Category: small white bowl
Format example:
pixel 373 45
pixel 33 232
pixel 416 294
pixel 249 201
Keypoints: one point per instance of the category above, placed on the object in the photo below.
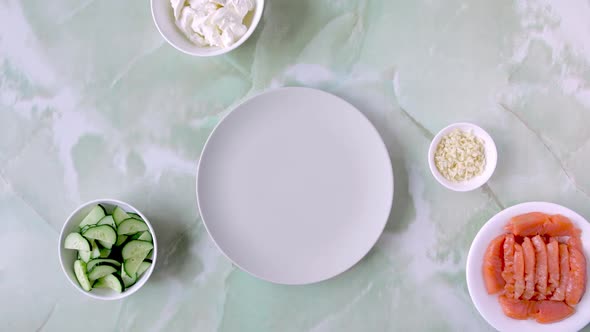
pixel 67 257
pixel 490 152
pixel 165 22
pixel 488 305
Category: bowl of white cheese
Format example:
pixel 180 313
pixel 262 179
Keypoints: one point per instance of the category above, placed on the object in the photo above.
pixel 462 157
pixel 206 27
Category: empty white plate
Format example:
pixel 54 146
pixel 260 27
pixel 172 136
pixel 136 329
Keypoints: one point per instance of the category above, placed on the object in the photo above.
pixel 295 186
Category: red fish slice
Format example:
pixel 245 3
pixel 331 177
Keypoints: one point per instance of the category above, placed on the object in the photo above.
pixel 541 268
pixel 553 264
pixel 518 271
pixel 543 311
pixel 517 309
pixel 508 272
pixel 560 225
pixel 551 311
pixel 527 224
pixel 577 282
pixel 564 273
pixel 537 223
pixel 575 242
pixel 529 269
pixel 492 266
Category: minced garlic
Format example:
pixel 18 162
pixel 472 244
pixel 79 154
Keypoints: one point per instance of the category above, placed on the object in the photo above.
pixel 460 156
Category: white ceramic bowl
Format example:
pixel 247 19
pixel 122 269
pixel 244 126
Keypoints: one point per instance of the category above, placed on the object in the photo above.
pixel 490 152
pixel 164 19
pixel 67 257
pixel 488 305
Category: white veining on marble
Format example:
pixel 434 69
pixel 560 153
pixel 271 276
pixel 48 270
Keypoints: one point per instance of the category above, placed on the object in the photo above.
pixel 92 109
pixel 169 306
pixel 21 47
pixel 163 160
pixel 74 11
pixel 69 126
pixel 326 323
pixel 564 28
pixel 134 61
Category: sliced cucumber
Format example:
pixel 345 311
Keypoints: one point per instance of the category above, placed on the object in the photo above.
pixel 119 215
pixel 83 229
pixel 110 281
pixel 134 216
pixel 131 226
pixel 95 253
pixel 121 239
pixel 136 249
pixel 105 245
pixel 101 261
pixel 143 267
pixel 104 252
pixel 145 236
pixel 84 255
pixel 132 264
pixel 97 213
pixel 77 242
pixel 113 249
pixel 108 220
pixel 104 233
pixel 80 271
pixel 100 271
pixel 127 280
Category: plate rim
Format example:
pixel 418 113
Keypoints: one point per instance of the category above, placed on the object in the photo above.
pixel 382 147
pixel 473 270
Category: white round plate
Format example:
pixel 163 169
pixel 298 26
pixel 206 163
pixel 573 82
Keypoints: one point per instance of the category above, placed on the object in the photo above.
pixel 488 305
pixel 295 186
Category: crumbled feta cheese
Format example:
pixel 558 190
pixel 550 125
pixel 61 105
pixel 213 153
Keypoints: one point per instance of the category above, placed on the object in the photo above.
pixel 460 156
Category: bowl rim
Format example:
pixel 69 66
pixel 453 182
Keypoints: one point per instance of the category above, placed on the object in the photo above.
pixel 476 182
pixel 253 25
pixel 139 283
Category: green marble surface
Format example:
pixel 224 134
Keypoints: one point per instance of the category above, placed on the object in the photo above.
pixel 94 103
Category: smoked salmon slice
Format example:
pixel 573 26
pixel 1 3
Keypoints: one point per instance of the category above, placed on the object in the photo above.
pixel 575 242
pixel 559 225
pixel 564 273
pixel 517 309
pixel 527 224
pixel 529 268
pixel 543 311
pixel 492 266
pixel 537 223
pixel 551 311
pixel 577 281
pixel 541 268
pixel 508 273
pixel 518 271
pixel 553 265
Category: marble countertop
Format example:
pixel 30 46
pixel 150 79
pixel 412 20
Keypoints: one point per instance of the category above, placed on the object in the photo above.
pixel 94 103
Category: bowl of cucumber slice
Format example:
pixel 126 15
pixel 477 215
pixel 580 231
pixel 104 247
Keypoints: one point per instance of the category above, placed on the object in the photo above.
pixel 107 249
